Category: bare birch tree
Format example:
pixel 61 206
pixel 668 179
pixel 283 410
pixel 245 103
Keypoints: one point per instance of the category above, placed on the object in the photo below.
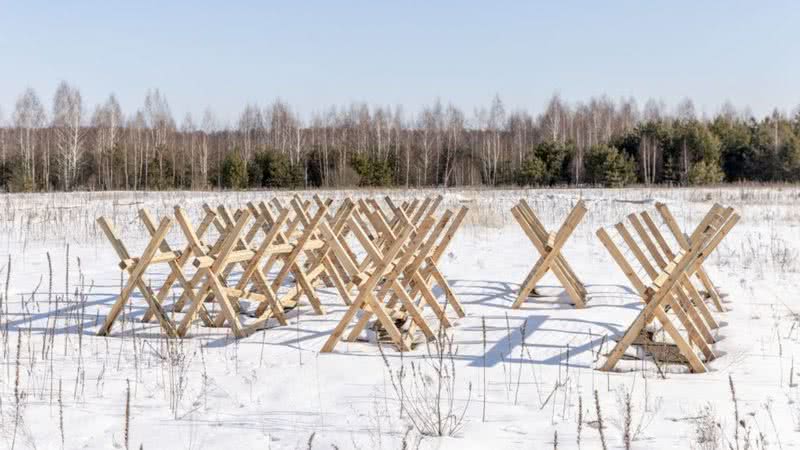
pixel 107 122
pixel 209 126
pixel 29 117
pixel 250 125
pixel 188 136
pixel 67 123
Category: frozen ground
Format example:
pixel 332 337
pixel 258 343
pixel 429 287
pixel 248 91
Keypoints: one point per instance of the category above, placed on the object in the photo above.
pixel 274 390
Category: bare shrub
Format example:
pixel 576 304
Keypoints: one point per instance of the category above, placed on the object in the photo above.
pixel 707 430
pixel 19 395
pixel 428 392
pixel 178 363
pixel 600 425
pixel 634 417
pixel 747 435
pixel 60 414
pixel 127 432
pixel 751 438
pixel 580 421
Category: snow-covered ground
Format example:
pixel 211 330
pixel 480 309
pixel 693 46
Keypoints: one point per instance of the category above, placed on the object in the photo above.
pixel 274 390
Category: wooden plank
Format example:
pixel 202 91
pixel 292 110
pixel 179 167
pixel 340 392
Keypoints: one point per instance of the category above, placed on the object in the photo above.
pixel 698 337
pixel 212 283
pixel 135 276
pixel 644 317
pixel 253 272
pixel 176 269
pixel 401 266
pixel 365 296
pixel 683 242
pixel 540 230
pixel 549 246
pixel 536 225
pixel 685 290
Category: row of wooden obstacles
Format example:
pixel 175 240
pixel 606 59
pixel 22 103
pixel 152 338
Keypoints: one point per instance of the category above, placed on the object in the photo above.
pixel 669 293
pixel 383 262
pixel 381 258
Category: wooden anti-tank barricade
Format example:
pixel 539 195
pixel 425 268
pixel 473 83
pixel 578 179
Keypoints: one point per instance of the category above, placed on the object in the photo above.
pixel 309 239
pixel 400 263
pixel 277 246
pixel 549 246
pixel 670 289
pixel 213 264
pixel 136 267
pixel 683 242
pixel 429 272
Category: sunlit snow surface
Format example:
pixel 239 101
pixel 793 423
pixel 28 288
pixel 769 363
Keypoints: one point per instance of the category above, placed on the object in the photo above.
pixel 274 390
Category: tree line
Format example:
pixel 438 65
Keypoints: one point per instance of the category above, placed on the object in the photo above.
pixel 601 142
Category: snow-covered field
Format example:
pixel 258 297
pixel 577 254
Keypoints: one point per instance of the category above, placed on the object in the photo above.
pixel 274 390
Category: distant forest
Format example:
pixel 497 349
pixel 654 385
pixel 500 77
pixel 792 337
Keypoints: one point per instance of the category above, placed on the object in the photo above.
pixel 69 145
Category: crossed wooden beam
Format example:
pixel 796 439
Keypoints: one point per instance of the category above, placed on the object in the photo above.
pixel 395 269
pixel 387 266
pixel 414 278
pixel 683 241
pixel 136 267
pixel 427 261
pixel 670 291
pixel 213 263
pixel 249 254
pixel 549 246
pixel 394 280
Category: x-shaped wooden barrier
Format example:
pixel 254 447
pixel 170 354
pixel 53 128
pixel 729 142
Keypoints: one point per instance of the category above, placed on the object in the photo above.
pixel 136 267
pixel 417 210
pixel 212 267
pixel 670 288
pixel 307 244
pixel 251 259
pixel 407 269
pixel 412 278
pixel 681 304
pixel 401 248
pixel 686 292
pixel 248 256
pixel 430 272
pixel 177 266
pixel 549 246
pixel 324 261
pixel 426 273
pixel 210 221
pixel 683 242
pixel 262 289
pixel 388 266
pixel 292 263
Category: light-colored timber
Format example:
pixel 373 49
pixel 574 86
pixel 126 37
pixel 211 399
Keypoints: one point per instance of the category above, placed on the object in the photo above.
pixel 549 246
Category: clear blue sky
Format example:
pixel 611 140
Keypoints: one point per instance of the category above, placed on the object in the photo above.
pixel 317 53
